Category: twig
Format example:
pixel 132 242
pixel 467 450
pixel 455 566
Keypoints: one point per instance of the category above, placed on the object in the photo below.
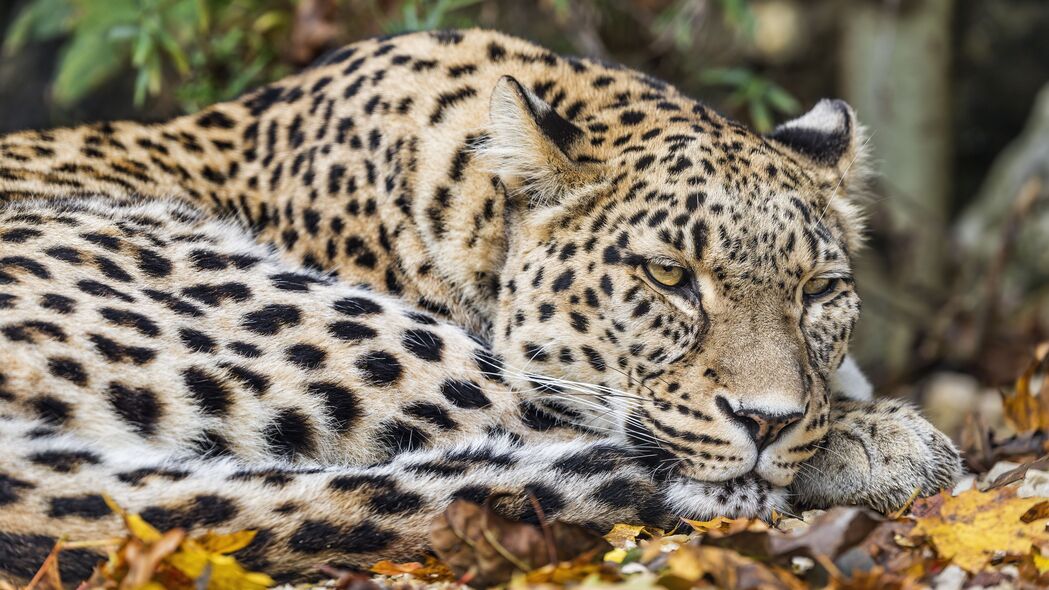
pixel 548 535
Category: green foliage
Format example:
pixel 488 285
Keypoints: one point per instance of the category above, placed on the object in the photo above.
pixel 209 49
pixel 759 95
pixel 196 52
pixel 761 98
pixel 422 15
pixel 678 21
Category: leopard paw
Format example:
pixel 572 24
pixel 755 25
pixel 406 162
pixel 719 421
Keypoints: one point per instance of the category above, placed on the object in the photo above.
pixel 876 454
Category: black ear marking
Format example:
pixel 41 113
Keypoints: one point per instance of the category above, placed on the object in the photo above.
pixel 824 134
pixel 558 129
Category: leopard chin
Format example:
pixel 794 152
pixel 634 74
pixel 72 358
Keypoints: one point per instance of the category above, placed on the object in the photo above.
pixel 748 496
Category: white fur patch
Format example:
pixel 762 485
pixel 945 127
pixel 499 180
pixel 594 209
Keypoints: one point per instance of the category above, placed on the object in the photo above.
pixel 849 381
pixel 825 117
pixel 746 498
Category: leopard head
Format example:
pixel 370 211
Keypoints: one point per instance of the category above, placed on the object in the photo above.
pixel 676 278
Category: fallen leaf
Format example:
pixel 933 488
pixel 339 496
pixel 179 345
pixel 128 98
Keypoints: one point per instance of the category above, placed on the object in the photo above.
pixel 727 526
pixel 1027 407
pixel 152 560
pixel 971 528
pixel 877 578
pixel 583 567
pixel 830 535
pixel 143 560
pixel 1041 560
pixel 983 449
pixel 727 569
pixel 431 571
pixel 470 538
pixel 616 555
pixel 1039 511
pixel 624 536
pixel 227 543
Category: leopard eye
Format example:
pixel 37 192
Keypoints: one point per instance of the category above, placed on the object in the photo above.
pixel 818 287
pixel 667 275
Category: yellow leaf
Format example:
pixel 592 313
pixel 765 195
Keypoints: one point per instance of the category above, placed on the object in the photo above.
pixel 565 572
pixel 150 560
pixel 1041 562
pixel 686 563
pixel 970 528
pixel 142 530
pixel 703 526
pixel 624 536
pixel 227 543
pixel 191 561
pixel 138 527
pixel 226 574
pixel 616 555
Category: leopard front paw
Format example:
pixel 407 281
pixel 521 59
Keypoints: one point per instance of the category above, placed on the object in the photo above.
pixel 876 454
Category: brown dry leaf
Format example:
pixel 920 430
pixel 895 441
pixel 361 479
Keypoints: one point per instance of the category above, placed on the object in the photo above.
pixel 1018 474
pixel 726 569
pixel 142 560
pixel 431 571
pixel 474 539
pixel 1027 409
pixel 969 529
pixel 877 578
pixel 833 533
pixel 890 547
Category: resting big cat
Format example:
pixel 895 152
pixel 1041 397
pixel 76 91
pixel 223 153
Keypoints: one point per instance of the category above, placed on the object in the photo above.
pixel 435 266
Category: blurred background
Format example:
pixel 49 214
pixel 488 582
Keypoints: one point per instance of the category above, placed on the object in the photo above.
pixel 954 94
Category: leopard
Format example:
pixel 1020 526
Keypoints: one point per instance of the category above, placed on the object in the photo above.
pixel 435 266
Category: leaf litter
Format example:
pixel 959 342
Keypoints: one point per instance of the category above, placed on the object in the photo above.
pixel 989 532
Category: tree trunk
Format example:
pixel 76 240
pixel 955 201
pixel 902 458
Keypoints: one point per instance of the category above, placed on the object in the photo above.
pixel 895 60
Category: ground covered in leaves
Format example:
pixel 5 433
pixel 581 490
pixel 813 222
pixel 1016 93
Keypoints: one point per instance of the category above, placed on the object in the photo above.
pixel 990 531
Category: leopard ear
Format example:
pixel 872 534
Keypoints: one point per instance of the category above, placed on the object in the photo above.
pixel 830 137
pixel 530 146
pixel 827 134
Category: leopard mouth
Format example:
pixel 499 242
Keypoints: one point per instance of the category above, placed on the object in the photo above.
pixel 747 496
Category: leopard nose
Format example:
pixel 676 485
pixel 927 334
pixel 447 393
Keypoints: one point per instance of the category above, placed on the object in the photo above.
pixel 762 426
pixel 765 428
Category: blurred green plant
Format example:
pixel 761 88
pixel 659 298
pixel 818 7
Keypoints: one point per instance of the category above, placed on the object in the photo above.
pixel 677 22
pixel 197 52
pixel 760 96
pixel 749 91
pixel 209 49
pixel 420 15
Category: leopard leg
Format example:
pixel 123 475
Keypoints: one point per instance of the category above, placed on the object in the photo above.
pixel 876 454
pixel 305 515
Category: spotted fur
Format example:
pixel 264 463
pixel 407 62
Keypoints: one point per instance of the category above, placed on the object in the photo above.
pixel 416 272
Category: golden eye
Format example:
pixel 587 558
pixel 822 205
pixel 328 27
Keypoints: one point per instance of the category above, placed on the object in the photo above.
pixel 667 275
pixel 818 287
